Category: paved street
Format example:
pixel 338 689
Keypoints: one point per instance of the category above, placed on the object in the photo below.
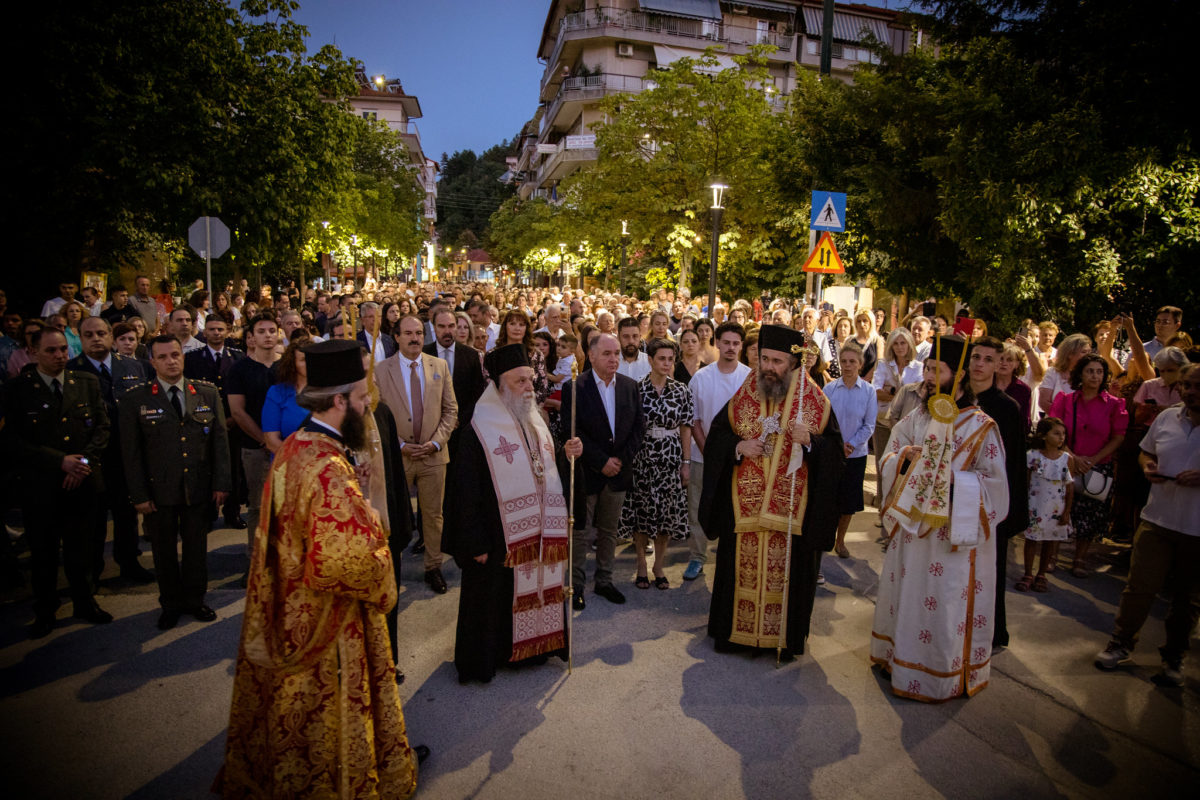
pixel 126 711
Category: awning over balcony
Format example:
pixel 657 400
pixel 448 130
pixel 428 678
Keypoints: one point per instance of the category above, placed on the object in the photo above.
pixel 846 27
pixel 665 56
pixel 696 9
pixel 764 5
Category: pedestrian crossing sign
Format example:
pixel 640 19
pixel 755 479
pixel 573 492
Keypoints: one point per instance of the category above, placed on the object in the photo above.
pixel 824 258
pixel 828 211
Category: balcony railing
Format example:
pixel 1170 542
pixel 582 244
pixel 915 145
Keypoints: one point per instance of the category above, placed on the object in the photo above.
pixel 705 31
pixel 589 88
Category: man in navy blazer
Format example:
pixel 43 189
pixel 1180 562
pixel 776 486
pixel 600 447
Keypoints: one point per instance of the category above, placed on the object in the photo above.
pixel 372 337
pixel 610 423
pixel 212 364
pixel 117 375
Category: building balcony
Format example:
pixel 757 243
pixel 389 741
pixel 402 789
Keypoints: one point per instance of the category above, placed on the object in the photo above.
pixel 576 91
pixel 645 28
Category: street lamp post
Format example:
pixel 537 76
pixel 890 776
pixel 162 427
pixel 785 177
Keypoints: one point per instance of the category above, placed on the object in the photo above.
pixel 581 260
pixel 624 241
pixel 718 191
pixel 354 242
pixel 562 255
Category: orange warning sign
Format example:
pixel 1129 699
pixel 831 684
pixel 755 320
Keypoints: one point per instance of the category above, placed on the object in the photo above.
pixel 824 258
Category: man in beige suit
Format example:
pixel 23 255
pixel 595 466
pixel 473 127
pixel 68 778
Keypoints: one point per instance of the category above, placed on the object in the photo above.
pixel 419 391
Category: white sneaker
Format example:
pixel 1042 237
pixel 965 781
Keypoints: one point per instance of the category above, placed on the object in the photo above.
pixel 820 579
pixel 1112 656
pixel 1172 673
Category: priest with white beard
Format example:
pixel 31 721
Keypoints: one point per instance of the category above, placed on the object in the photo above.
pixel 506 526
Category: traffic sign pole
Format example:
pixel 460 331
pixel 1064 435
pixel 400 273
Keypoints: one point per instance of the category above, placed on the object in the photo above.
pixel 208 258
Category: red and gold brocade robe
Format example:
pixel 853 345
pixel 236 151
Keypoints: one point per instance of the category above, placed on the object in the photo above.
pixel 316 711
pixel 765 497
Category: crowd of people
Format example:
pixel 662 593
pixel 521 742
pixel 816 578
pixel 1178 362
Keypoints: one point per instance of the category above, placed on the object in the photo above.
pixel 464 414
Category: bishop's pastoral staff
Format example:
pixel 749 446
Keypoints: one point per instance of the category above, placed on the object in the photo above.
pixel 316 710
pixel 507 528
pixel 945 487
pixel 772 460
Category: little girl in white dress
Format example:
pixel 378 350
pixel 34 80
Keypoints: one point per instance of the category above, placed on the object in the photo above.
pixel 1051 491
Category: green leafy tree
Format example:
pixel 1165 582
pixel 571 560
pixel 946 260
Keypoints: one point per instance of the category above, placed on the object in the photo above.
pixel 469 192
pixel 151 114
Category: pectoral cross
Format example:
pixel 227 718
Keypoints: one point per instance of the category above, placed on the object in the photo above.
pixel 506 449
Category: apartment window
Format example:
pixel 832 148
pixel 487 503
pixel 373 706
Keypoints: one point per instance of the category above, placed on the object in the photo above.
pixel 371 115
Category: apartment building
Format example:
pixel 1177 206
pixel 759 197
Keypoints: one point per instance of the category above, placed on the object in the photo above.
pixel 595 48
pixel 384 99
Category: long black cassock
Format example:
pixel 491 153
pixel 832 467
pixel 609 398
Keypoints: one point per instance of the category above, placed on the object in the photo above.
pixel 484 637
pixel 818 530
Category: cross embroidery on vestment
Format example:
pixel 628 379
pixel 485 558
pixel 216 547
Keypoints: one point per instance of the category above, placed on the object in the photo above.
pixel 506 449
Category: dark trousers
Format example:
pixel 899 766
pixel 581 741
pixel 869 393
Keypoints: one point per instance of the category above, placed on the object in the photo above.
pixel 63 521
pixel 393 616
pixel 115 500
pixel 233 502
pixel 1000 617
pixel 1161 559
pixel 181 581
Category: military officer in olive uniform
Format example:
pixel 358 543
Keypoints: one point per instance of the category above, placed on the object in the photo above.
pixel 117 375
pixel 57 429
pixel 176 454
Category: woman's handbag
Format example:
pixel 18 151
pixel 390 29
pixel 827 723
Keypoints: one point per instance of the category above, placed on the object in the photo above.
pixel 1093 483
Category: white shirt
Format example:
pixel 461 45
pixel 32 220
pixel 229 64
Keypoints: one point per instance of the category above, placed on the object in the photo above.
pixel 636 369
pixel 546 329
pixel 563 367
pixel 94 310
pixel 886 374
pixel 191 344
pixel 493 332
pixel 1175 445
pixel 1056 382
pixel 376 344
pixel 711 389
pixel 52 306
pixel 923 350
pixel 608 397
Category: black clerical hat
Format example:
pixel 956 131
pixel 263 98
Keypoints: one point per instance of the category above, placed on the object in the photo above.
pixel 784 340
pixel 334 363
pixel 502 359
pixel 952 350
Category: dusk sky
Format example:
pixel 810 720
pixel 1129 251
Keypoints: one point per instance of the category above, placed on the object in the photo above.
pixel 471 63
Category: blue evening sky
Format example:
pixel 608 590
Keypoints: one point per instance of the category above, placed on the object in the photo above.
pixel 471 63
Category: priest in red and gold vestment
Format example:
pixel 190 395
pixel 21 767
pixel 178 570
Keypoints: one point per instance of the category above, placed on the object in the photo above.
pixel 773 457
pixel 316 711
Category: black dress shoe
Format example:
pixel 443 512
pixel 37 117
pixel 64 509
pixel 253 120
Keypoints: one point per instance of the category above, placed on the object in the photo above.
pixel 203 613
pixel 93 614
pixel 41 627
pixel 167 620
pixel 435 580
pixel 237 523
pixel 610 593
pixel 399 677
pixel 136 573
pixel 422 753
pixel 577 601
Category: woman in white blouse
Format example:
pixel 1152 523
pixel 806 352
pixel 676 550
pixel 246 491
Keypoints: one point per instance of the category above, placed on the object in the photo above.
pixel 897 367
pixel 1058 377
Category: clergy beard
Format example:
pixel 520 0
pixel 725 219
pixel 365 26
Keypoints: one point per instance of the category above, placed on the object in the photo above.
pixel 522 406
pixel 354 430
pixel 772 387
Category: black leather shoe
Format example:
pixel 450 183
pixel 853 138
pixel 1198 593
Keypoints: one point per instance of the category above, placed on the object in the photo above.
pixel 610 593
pixel 94 614
pixel 41 627
pixel 237 523
pixel 422 753
pixel 167 620
pixel 399 677
pixel 136 573
pixel 435 580
pixel 577 601
pixel 203 613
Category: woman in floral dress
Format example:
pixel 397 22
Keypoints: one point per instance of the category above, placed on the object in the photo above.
pixel 657 504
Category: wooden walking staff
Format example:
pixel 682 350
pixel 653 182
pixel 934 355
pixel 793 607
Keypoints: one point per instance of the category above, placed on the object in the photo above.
pixel 570 588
